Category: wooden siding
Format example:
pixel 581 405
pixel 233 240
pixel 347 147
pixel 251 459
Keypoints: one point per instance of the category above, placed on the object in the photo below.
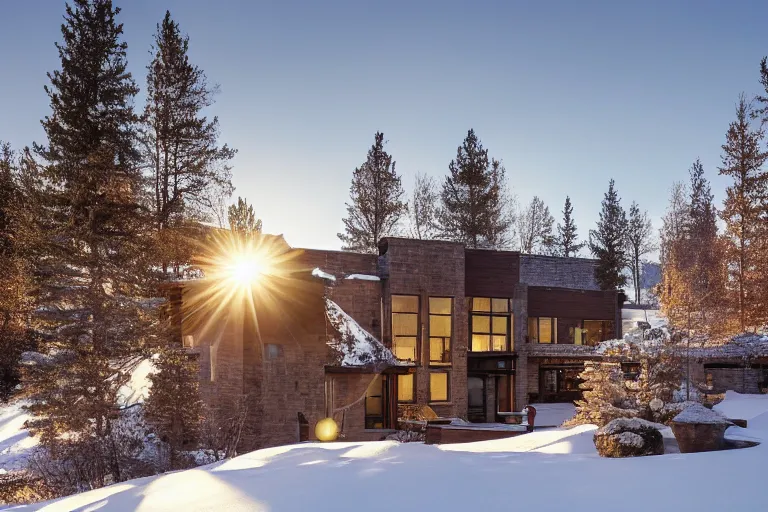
pixel 565 303
pixel 491 273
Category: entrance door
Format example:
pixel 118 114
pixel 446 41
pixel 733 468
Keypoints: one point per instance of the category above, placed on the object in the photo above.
pixel 505 392
pixel 476 399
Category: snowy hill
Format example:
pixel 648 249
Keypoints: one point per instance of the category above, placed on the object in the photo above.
pixel 547 470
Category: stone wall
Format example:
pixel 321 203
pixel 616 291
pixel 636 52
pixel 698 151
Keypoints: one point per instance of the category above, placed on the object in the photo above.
pixel 577 273
pixel 430 269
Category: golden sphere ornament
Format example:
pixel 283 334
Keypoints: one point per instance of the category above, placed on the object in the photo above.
pixel 326 430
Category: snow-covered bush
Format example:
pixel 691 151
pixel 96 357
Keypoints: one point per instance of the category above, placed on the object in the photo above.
pixel 407 436
pixel 610 393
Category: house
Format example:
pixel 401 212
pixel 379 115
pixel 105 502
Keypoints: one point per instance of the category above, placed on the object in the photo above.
pixel 364 337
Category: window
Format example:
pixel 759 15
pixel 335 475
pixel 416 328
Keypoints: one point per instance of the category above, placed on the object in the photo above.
pixel 631 370
pixel 376 410
pixel 405 388
pixel 542 329
pixel 596 331
pixel 272 351
pixel 438 387
pixel 491 325
pixel 440 327
pixel 405 327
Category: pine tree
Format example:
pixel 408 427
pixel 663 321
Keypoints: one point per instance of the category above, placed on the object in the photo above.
pixel 742 161
pixel 566 241
pixel 187 167
pixel 639 241
pixel 607 242
pixel 604 394
pixel 376 201
pixel 15 277
pixel 535 228
pixel 242 219
pixel 422 209
pixel 93 266
pixel 476 206
pixel 174 408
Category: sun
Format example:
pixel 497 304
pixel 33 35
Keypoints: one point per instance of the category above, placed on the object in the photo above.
pixel 245 269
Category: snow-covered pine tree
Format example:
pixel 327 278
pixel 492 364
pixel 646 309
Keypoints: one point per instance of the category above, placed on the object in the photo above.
pixel 187 168
pixel 607 242
pixel 534 226
pixel 94 269
pixel 242 219
pixel 422 208
pixel 604 394
pixel 173 409
pixel 639 241
pixel 567 239
pixel 742 161
pixel 376 204
pixel 476 207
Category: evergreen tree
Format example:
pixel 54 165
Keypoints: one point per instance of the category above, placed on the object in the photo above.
pixel 174 409
pixel 93 267
pixel 535 228
pixel 742 161
pixel 607 242
pixel 566 241
pixel 242 219
pixel 376 201
pixel 422 209
pixel 476 207
pixel 639 243
pixel 15 276
pixel 180 147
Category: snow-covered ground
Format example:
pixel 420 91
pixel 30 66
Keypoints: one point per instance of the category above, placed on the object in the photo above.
pixel 553 415
pixel 556 469
pixel 16 445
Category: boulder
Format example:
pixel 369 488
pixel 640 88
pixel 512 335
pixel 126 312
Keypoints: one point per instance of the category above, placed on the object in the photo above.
pixel 629 437
pixel 698 429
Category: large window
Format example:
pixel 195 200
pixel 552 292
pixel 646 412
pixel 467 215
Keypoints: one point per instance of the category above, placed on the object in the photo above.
pixel 440 328
pixel 406 390
pixel 376 410
pixel 542 329
pixel 491 325
pixel 596 331
pixel 439 387
pixel 578 332
pixel 405 327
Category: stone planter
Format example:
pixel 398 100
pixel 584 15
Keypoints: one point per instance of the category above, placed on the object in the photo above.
pixel 699 437
pixel 628 437
pixel 698 429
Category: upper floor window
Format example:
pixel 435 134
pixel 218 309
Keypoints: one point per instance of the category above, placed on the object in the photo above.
pixel 405 327
pixel 440 330
pixel 542 329
pixel 491 325
pixel 596 331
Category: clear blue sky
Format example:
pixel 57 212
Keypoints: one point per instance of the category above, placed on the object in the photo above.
pixel 568 94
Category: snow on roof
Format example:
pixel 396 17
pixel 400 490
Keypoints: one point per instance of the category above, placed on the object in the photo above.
pixel 323 275
pixel 739 347
pixel 363 277
pixel 356 346
pixel 697 413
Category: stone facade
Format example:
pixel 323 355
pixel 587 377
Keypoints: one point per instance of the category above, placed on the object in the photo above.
pixel 276 366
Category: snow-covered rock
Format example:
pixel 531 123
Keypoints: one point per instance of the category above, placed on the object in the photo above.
pixel 629 437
